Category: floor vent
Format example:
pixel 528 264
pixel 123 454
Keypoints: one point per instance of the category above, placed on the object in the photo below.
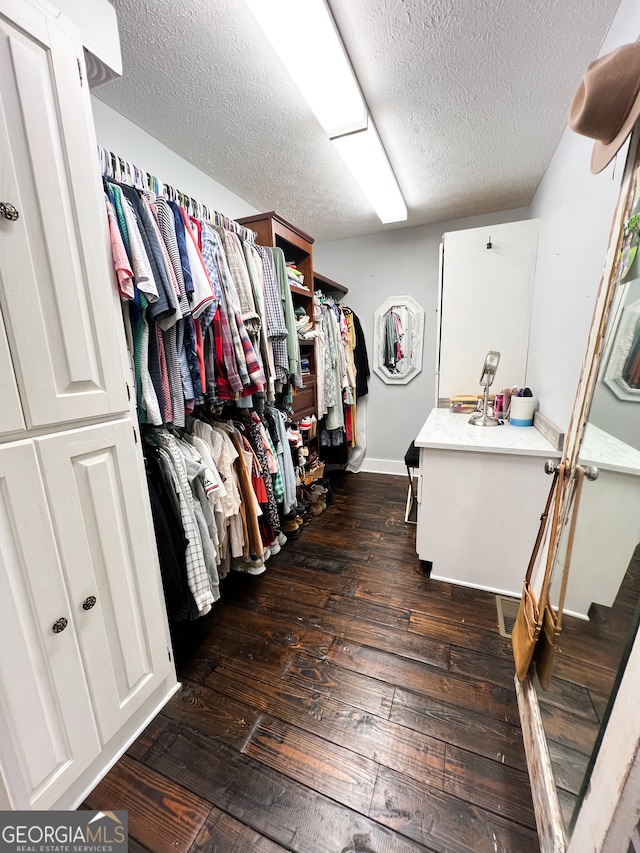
pixel 507 614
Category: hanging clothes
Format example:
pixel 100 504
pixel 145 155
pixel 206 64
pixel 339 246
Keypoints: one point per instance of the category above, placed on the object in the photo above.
pixel 277 331
pixel 392 340
pixel 211 330
pixel 342 372
pixel 361 359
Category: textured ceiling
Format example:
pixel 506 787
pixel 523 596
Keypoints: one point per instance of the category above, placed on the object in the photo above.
pixel 469 97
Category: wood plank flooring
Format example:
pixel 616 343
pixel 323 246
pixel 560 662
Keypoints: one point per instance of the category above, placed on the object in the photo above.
pixel 342 702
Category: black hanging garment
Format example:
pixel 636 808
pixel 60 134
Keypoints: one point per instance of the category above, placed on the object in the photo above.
pixel 171 541
pixel 361 360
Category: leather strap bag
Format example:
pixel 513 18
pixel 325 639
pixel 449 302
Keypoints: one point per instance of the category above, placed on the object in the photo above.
pixel 529 620
pixel 547 644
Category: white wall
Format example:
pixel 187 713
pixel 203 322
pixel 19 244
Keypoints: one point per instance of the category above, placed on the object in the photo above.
pixel 396 263
pixel 123 137
pixel 575 209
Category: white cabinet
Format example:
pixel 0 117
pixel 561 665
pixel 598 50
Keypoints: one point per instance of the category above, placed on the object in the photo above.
pixel 56 302
pixel 607 526
pixel 43 691
pixel 11 419
pixel 93 483
pixel 485 304
pixel 77 549
pixel 479 500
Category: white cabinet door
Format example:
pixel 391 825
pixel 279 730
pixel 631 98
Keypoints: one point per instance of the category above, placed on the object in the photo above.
pixel 55 286
pixel 485 305
pixel 11 419
pixel 44 697
pixel 103 527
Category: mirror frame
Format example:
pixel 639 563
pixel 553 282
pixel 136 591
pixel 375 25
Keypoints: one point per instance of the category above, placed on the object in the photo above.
pixel 417 336
pixel 621 342
pixel 549 821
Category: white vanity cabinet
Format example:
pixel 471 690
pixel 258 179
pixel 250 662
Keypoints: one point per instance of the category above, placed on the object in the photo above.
pixel 86 658
pixel 480 493
pixel 607 526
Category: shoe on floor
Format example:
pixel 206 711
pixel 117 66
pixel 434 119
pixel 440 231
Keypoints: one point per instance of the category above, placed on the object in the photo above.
pixel 249 567
pixel 282 539
pixel 291 528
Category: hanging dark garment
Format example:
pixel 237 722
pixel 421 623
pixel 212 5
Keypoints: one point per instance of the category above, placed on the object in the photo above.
pixel 171 542
pixel 361 360
pixel 270 520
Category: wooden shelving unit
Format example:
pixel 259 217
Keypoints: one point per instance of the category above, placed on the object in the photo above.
pixel 327 285
pixel 272 230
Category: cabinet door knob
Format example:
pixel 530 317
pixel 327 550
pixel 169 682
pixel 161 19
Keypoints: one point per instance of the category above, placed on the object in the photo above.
pixel 591 472
pixel 8 211
pixel 59 625
pixel 89 602
pixel 550 466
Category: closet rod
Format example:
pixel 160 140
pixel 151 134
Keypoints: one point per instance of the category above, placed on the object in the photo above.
pixel 118 169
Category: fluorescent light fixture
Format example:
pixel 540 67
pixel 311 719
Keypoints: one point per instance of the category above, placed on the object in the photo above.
pixel 305 38
pixel 368 163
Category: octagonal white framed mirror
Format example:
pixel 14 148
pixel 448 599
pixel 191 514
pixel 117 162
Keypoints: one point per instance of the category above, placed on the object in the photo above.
pixel 399 332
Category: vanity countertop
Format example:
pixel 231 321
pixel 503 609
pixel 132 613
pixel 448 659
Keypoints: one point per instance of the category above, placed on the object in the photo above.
pixel 445 430
pixel 607 452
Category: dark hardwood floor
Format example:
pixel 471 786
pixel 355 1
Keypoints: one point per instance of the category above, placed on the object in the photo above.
pixel 340 703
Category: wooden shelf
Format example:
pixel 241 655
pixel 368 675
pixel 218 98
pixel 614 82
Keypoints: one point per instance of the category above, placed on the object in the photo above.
pixel 327 285
pixel 270 226
pixel 301 291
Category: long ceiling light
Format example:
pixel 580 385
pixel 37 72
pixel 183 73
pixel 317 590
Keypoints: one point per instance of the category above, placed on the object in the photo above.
pixel 304 36
pixel 366 158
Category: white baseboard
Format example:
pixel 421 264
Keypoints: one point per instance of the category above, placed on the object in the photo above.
pixel 574 613
pixel 383 466
pixel 508 593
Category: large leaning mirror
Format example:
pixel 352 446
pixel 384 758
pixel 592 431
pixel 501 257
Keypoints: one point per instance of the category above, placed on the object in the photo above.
pixel 398 334
pixel 603 591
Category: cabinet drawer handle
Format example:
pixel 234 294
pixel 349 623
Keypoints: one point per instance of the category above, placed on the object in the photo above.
pixel 89 602
pixel 59 625
pixel 8 211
